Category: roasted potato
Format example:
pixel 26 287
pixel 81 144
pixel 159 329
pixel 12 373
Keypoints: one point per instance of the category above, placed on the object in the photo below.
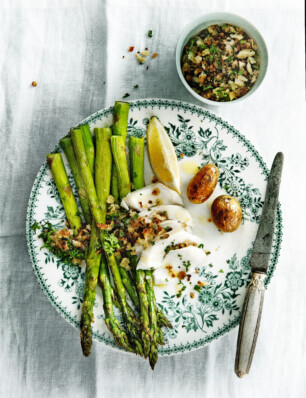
pixel 203 184
pixel 226 213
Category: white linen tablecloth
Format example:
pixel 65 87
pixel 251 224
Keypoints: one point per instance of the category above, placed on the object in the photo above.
pixel 71 47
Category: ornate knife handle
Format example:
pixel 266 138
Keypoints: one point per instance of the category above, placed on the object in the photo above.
pixel 249 324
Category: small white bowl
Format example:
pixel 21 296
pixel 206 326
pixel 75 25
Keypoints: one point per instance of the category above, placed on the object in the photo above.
pixel 218 18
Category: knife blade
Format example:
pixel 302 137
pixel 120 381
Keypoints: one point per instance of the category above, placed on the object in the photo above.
pixel 263 243
pixel 253 302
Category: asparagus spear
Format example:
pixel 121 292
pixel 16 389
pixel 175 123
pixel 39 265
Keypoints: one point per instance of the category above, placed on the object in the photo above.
pixel 114 185
pixel 147 304
pixel 121 185
pixel 112 323
pixel 121 113
pixel 103 166
pixel 81 157
pixel 99 217
pixel 144 307
pixel 162 320
pixel 128 283
pixel 160 337
pixel 118 151
pixel 130 325
pixel 131 312
pixel 136 151
pixel 153 355
pixel 91 278
pixel 67 147
pixel 89 146
pixel 57 168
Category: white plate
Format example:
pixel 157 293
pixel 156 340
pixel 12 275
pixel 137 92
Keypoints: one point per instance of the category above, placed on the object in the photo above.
pixel 199 137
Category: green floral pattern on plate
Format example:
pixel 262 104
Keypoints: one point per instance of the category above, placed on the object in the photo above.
pixel 196 134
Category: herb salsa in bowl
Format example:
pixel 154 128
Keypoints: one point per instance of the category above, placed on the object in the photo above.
pixel 221 62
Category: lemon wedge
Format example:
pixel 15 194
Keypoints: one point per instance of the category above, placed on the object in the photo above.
pixel 162 155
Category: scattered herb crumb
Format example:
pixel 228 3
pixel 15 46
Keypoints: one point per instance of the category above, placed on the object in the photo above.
pixel 34 84
pixel 126 95
pixel 201 246
pixel 197 288
pixel 180 292
pixel 136 86
pixel 150 33
pixel 221 271
pixel 210 265
pixel 140 59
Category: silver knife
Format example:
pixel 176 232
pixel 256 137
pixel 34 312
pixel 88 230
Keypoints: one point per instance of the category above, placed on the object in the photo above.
pixel 253 302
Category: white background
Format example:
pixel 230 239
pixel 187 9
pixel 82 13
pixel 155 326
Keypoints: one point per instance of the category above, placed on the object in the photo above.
pixel 71 48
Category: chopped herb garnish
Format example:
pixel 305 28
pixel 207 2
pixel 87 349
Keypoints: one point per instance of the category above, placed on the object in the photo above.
pixel 136 86
pixel 35 226
pixel 110 243
pixel 67 252
pixel 150 33
pixel 221 271
pixel 213 49
pixel 126 95
pixel 229 59
pixel 201 246
pixel 197 288
pixel 187 264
